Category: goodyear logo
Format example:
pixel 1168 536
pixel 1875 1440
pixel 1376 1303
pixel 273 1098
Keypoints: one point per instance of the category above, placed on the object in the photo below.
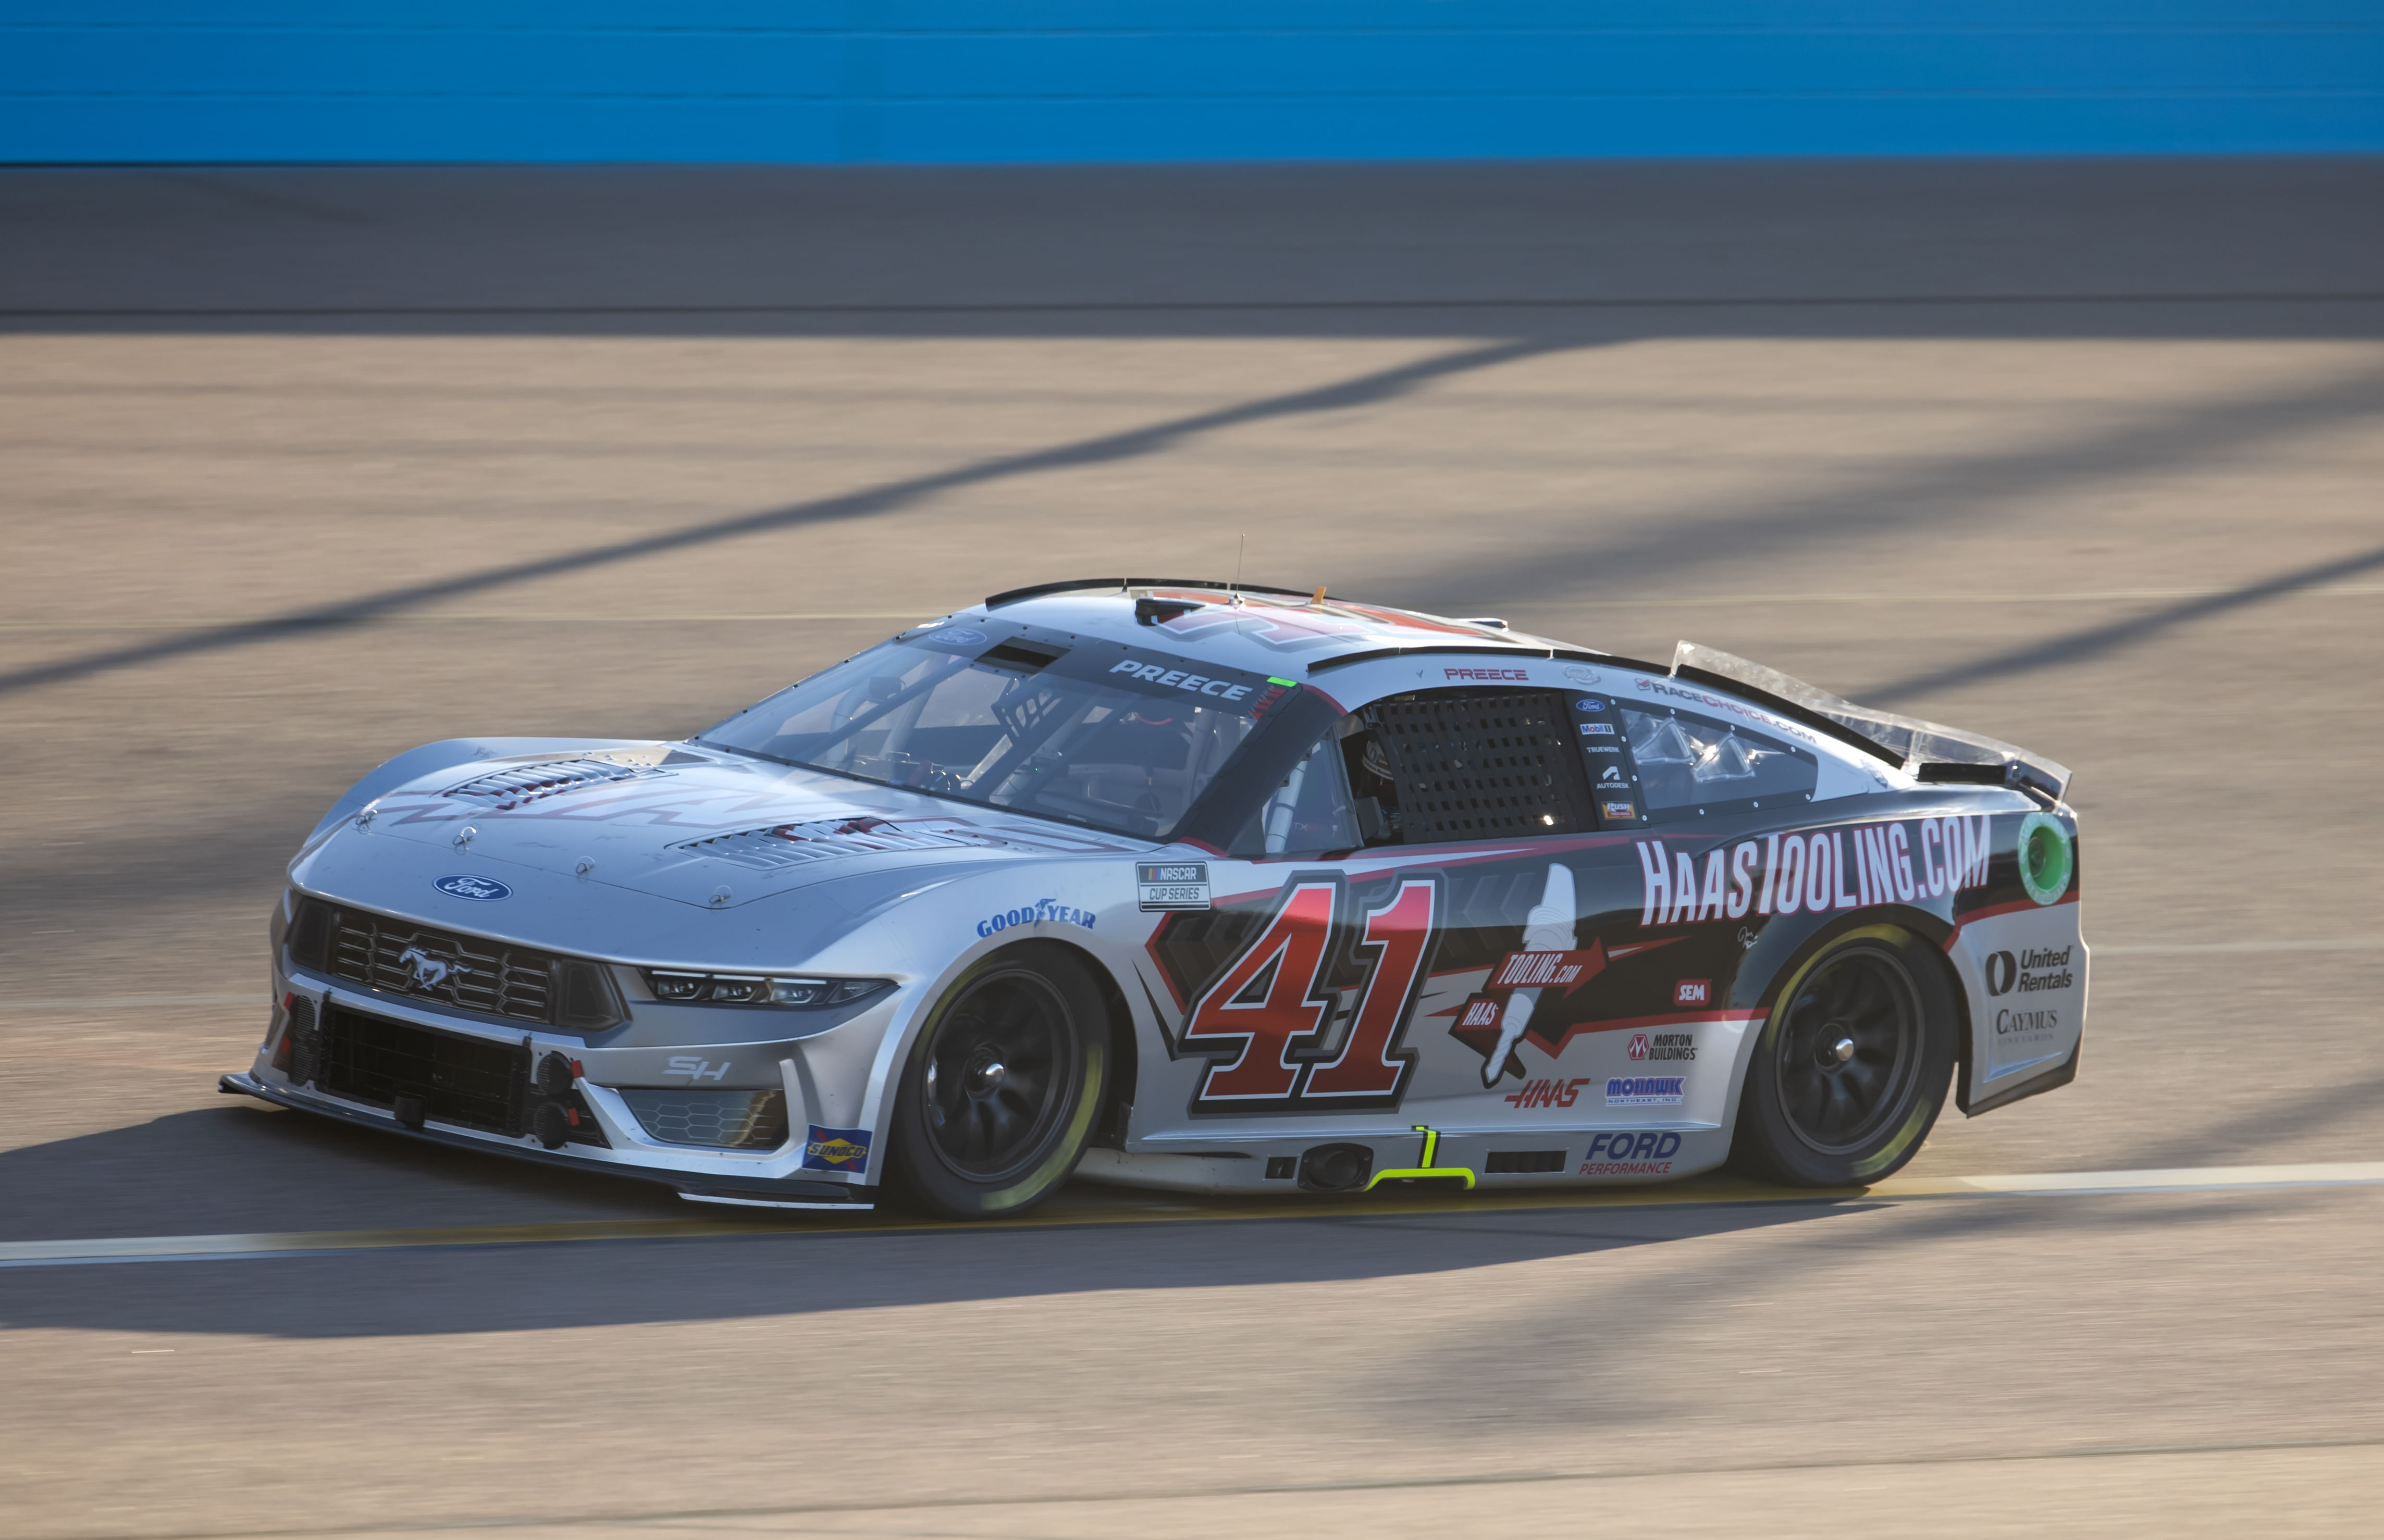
pixel 837 1150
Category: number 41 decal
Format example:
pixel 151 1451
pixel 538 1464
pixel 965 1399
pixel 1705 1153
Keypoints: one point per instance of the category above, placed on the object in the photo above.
pixel 1270 1009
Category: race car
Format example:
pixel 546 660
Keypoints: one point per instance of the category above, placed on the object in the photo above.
pixel 1202 886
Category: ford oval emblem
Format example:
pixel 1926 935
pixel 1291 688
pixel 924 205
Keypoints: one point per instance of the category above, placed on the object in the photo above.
pixel 1589 705
pixel 473 887
pixel 961 637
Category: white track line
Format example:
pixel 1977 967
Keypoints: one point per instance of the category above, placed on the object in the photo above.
pixel 134 1002
pixel 318 1243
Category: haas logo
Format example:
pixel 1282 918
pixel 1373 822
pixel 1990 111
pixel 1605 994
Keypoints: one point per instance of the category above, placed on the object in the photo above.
pixel 425 971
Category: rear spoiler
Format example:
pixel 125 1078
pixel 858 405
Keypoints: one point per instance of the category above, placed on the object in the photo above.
pixel 1929 749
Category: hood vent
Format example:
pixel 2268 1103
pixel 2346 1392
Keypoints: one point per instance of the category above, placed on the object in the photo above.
pixel 787 845
pixel 502 791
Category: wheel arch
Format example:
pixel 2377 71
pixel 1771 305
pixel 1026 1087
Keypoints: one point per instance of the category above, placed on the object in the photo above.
pixel 1802 943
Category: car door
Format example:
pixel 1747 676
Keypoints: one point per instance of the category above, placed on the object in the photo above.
pixel 1400 922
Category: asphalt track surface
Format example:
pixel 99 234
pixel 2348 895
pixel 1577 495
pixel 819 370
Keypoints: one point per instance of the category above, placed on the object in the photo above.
pixel 299 468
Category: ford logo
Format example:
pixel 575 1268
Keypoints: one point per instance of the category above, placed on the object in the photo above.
pixel 473 887
pixel 1589 705
pixel 963 637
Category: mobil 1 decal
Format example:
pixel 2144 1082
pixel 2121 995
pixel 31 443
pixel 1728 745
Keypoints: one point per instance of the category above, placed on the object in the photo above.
pixel 1303 999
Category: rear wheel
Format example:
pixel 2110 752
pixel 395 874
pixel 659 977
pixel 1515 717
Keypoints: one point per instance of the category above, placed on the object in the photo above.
pixel 1852 1066
pixel 1001 1087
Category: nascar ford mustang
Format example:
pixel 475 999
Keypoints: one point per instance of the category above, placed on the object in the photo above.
pixel 1208 888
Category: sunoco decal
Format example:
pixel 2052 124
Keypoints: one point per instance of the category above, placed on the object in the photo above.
pixel 836 1150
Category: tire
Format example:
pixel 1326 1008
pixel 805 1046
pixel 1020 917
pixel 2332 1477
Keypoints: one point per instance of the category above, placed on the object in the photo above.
pixel 1852 1066
pixel 1001 1087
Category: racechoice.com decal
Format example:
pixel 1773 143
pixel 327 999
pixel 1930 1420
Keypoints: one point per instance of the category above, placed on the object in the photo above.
pixel 1925 858
pixel 1044 910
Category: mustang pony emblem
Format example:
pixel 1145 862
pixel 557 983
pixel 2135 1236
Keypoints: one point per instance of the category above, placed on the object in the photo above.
pixel 428 971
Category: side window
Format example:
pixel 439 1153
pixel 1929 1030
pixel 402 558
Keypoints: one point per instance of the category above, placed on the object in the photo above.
pixel 1308 813
pixel 1449 765
pixel 1690 766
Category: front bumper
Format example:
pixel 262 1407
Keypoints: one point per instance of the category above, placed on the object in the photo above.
pixel 620 1147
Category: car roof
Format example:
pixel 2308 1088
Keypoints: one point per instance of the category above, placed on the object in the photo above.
pixel 1261 630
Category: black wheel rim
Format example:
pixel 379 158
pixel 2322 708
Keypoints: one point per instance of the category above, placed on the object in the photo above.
pixel 1000 1076
pixel 1849 1050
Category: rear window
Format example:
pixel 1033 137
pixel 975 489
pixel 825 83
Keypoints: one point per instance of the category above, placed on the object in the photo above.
pixel 1062 727
pixel 1690 765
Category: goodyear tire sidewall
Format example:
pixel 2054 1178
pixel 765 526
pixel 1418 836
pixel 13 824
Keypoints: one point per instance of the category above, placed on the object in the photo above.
pixel 1763 1144
pixel 917 1173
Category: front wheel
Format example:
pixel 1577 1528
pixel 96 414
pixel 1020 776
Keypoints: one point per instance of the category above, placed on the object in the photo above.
pixel 1001 1087
pixel 1852 1066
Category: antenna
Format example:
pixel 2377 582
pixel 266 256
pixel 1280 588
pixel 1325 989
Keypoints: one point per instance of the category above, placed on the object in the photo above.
pixel 1242 543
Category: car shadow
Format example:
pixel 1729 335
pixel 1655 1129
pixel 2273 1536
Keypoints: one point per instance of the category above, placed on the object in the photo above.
pixel 232 1171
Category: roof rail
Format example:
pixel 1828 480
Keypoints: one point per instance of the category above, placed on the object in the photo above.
pixel 1516 650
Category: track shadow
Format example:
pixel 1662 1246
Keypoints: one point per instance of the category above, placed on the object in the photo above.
pixel 1369 389
pixel 2093 642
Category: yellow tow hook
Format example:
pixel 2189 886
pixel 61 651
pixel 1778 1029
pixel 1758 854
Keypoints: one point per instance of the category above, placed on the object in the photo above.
pixel 1424 1172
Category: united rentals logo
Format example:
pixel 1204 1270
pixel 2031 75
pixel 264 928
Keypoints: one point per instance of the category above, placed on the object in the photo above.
pixel 2037 968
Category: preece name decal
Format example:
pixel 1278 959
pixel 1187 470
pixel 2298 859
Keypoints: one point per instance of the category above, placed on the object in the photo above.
pixel 1784 872
pixel 1642 1152
pixel 1175 679
pixel 2038 968
pixel 1044 910
pixel 1483 674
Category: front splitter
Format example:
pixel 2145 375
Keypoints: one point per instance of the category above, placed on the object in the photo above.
pixel 754 1192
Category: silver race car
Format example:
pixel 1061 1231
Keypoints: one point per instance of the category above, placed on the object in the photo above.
pixel 1194 887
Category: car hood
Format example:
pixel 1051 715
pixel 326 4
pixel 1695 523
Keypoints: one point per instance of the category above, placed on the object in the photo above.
pixel 714 831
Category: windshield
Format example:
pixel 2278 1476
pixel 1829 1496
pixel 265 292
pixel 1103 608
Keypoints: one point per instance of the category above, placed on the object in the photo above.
pixel 1064 727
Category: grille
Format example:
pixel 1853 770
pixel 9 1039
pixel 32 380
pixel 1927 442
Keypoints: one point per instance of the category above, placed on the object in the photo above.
pixel 464 1081
pixel 719 1120
pixel 1475 765
pixel 470 973
pixel 1516 1163
pixel 512 787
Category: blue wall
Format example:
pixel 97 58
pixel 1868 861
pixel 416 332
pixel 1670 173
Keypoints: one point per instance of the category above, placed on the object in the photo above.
pixel 981 80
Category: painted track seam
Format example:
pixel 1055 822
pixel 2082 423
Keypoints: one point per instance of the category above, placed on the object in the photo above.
pixel 320 1243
